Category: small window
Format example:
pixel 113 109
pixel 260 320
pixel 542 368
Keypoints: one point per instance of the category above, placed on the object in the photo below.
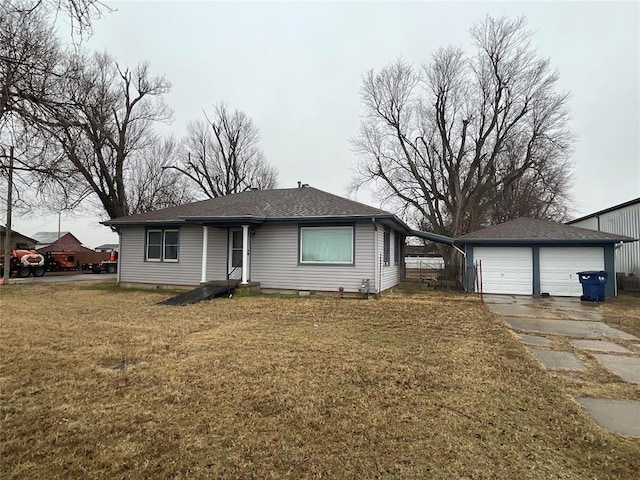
pixel 326 245
pixel 387 247
pixel 162 245
pixel 154 245
pixel 171 245
pixel 396 249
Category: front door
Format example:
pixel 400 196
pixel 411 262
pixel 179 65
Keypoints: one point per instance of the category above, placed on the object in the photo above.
pixel 235 253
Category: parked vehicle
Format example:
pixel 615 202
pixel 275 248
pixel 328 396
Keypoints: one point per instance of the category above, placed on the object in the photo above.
pixel 23 263
pixel 58 261
pixel 66 261
pixel 107 266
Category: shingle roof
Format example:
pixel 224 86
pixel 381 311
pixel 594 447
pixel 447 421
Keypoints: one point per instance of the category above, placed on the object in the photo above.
pixel 529 229
pixel 264 205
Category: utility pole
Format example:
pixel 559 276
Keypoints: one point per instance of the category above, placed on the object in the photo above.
pixel 7 235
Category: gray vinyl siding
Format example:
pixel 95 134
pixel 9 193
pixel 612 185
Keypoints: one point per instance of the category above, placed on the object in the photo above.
pixel 274 261
pixel 186 271
pixel 390 274
pixel 217 254
pixel 623 221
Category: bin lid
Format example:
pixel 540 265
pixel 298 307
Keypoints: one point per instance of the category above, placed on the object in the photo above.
pixel 600 273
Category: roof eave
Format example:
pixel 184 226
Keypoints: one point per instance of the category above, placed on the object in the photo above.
pixel 434 237
pixel 606 210
pixel 141 223
pixel 257 220
pixel 543 241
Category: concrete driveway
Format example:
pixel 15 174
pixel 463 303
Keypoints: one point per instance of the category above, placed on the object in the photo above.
pixel 540 322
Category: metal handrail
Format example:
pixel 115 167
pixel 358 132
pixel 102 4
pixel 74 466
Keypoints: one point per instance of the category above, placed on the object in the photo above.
pixel 228 282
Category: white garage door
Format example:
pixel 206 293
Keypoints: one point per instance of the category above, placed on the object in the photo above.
pixel 506 269
pixel 559 265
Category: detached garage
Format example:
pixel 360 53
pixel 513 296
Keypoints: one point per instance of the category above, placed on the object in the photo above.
pixel 534 257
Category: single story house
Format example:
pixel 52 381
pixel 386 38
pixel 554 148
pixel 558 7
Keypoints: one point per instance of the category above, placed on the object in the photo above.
pixel 107 247
pixel 534 257
pixel 300 239
pixel 16 239
pixel 422 256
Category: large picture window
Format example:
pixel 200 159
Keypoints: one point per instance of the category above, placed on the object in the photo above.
pixel 332 245
pixel 162 245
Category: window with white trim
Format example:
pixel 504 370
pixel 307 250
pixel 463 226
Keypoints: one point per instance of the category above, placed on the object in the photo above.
pixel 326 245
pixel 162 245
pixel 396 249
pixel 387 247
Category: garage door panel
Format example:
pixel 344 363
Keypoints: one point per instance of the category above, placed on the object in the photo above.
pixel 559 267
pixel 507 270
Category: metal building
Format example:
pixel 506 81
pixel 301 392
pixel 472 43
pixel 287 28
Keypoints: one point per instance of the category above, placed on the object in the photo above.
pixel 623 219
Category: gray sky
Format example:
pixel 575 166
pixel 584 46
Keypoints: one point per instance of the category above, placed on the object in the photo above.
pixel 295 68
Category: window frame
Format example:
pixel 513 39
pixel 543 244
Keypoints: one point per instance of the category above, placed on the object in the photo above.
pixel 303 227
pixel 396 249
pixel 164 245
pixel 386 247
pixel 162 258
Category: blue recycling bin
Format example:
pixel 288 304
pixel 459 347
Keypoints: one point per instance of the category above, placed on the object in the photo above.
pixel 593 283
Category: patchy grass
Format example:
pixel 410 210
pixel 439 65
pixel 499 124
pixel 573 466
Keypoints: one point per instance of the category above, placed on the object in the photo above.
pixel 98 385
pixel 623 312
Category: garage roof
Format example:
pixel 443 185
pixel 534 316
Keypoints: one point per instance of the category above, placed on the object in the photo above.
pixel 529 230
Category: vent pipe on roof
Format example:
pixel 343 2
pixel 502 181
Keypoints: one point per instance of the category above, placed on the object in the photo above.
pixel 302 185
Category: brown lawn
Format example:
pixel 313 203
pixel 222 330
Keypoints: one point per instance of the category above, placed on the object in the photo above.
pixel 623 312
pixel 98 382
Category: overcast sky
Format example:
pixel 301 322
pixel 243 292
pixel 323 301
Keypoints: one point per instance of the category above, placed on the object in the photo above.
pixel 296 67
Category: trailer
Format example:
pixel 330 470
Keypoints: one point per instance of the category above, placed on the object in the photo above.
pixel 66 261
pixel 106 266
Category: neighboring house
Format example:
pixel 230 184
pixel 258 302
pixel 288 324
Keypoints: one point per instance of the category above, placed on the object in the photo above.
pixel 623 219
pixel 107 247
pixel 59 242
pixel 16 238
pixel 422 256
pixel 534 257
pixel 300 239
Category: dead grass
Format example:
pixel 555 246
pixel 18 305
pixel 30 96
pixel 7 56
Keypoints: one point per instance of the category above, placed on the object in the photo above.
pixel 623 312
pixel 102 384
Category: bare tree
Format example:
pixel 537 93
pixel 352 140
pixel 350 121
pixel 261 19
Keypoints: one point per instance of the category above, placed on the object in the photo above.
pixel 151 183
pixel 453 138
pixel 79 13
pixel 105 119
pixel 32 64
pixel 222 155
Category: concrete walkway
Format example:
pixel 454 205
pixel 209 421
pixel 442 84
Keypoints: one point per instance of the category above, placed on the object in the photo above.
pixel 539 320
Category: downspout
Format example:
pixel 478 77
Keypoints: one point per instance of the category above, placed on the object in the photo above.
pixel 616 246
pixel 118 264
pixel 375 254
pixel 464 267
